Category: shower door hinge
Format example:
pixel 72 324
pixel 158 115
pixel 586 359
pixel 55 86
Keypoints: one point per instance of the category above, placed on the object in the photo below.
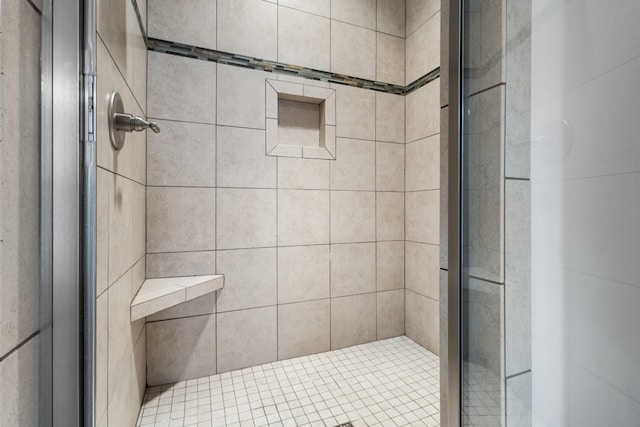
pixel 89 83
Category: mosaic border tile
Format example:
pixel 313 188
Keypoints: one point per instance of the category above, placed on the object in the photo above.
pixel 189 51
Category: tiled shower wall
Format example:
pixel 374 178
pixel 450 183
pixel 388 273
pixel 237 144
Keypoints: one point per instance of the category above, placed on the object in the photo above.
pixel 422 177
pixel 19 208
pixel 120 352
pixel 312 250
pixel 498 294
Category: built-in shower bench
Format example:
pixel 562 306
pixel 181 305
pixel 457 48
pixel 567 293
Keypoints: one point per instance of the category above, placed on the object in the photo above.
pixel 159 294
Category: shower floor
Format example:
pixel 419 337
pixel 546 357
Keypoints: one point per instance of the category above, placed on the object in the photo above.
pixel 393 382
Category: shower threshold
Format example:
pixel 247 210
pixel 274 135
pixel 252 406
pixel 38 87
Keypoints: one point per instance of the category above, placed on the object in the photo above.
pixel 392 382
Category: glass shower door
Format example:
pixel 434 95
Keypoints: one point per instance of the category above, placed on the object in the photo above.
pixel 550 195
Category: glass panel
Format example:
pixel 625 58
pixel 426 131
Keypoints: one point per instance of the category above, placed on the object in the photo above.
pixel 551 195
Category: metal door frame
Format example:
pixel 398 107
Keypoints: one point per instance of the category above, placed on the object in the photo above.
pixel 68 214
pixel 454 285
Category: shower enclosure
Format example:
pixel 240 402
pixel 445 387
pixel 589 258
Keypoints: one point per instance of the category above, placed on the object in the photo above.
pixel 349 197
pixel 543 283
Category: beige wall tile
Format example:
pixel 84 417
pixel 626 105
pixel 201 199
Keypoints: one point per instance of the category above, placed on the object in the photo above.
pixel 423 113
pixel 103 422
pixel 303 273
pixel 444 336
pixel 390 51
pixel 444 53
pixel 390 265
pixel 118 27
pixel 120 335
pixel 485 195
pixel 181 349
pixel 176 264
pixel 444 190
pixel 389 166
pixel 255 227
pixel 517 275
pixel 126 226
pixel 353 50
pixel 137 279
pixel 391 17
pixel 112 27
pixel 419 11
pixel 181 88
pixel 250 278
pixel 122 406
pixel 353 216
pixel 241 159
pixel 355 165
pixel 241 96
pixel 183 154
pixel 485 339
pixel 307 174
pixel 353 320
pixel 389 117
pixel 130 161
pixel 303 39
pixel 19 385
pixel 422 322
pixel 205 304
pixel 102 348
pixel 139 374
pixel 422 216
pixel 104 183
pixel 142 6
pixel 303 328
pixel 353 269
pixel 355 12
pixel 487 37
pixel 423 164
pixel 423 49
pixel 355 112
pixel 422 272
pixel 192 22
pixel 247 338
pixel 318 7
pixel 390 317
pixel 390 216
pixel 248 27
pixel 180 219
pixel 303 217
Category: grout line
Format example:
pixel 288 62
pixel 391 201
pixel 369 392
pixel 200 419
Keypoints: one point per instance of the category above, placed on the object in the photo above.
pixel 19 346
pixel 421 25
pixel 422 295
pixel 518 374
pixel 487 89
pixel 126 81
pixel 143 31
pixel 35 8
pixel 283 246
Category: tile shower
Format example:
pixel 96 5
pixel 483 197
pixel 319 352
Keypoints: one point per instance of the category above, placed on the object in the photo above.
pixel 318 255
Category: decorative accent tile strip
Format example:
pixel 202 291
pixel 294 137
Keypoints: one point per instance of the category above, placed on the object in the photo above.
pixel 194 52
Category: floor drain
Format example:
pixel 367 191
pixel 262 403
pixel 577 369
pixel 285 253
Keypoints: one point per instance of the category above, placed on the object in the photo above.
pixel 348 424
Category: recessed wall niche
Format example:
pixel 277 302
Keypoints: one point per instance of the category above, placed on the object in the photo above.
pixel 300 120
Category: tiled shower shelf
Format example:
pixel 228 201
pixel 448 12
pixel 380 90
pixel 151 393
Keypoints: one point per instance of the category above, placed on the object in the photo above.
pixel 159 294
